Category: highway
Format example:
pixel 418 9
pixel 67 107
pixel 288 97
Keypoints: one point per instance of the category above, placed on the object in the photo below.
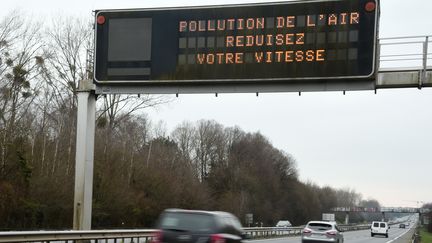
pixel 396 235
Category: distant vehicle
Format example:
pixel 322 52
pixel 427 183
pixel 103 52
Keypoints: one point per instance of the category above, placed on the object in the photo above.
pixel 322 231
pixel 328 217
pixel 283 223
pixel 190 226
pixel 402 226
pixel 379 228
pixel 407 224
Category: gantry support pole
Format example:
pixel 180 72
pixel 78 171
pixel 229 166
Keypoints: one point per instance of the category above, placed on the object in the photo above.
pixel 84 156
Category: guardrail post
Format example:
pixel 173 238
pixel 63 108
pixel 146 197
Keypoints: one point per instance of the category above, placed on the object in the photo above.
pixel 425 58
pixel 378 55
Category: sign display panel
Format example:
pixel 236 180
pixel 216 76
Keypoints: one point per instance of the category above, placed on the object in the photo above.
pixel 277 42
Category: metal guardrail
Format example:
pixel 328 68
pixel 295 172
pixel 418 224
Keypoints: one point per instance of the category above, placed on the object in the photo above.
pixel 416 237
pixel 267 232
pixel 108 236
pixel 405 62
pixel 405 53
pixel 137 236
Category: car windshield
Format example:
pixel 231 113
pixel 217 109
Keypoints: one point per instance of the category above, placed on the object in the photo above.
pixel 320 226
pixel 382 225
pixel 375 225
pixel 187 222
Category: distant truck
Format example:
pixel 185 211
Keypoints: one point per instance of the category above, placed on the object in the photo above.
pixel 283 223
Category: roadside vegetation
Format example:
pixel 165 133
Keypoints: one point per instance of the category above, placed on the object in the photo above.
pixel 426 236
pixel 426 231
pixel 140 168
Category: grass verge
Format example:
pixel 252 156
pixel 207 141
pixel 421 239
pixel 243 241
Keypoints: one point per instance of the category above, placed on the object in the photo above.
pixel 426 237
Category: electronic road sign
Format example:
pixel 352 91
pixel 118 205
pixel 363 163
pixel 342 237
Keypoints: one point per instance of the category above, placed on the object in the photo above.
pixel 255 43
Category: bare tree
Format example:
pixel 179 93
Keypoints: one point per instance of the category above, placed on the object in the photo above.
pixel 348 197
pixel 116 107
pixel 20 45
pixel 66 52
pixel 184 135
pixel 209 146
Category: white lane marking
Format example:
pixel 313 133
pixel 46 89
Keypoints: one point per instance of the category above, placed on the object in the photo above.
pixel 399 236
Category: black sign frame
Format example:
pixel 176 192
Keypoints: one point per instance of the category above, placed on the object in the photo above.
pixel 101 64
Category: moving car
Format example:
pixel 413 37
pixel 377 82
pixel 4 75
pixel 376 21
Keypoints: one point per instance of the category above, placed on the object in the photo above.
pixel 283 223
pixel 379 228
pixel 322 231
pixel 402 226
pixel 190 226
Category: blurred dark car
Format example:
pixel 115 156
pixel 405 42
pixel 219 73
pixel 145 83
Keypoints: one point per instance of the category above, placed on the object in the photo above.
pixel 402 226
pixel 193 226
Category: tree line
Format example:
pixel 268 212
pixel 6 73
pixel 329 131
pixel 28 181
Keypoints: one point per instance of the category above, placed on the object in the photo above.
pixel 429 216
pixel 140 168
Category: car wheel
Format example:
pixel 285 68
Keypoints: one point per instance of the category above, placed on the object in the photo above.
pixel 372 235
pixel 386 235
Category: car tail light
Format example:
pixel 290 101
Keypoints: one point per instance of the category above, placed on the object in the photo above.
pixel 307 231
pixel 217 238
pixel 331 233
pixel 157 237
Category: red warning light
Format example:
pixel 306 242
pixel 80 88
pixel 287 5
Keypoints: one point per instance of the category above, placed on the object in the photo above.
pixel 370 6
pixel 100 19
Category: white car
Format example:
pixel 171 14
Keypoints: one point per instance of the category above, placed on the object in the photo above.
pixel 322 231
pixel 283 223
pixel 379 228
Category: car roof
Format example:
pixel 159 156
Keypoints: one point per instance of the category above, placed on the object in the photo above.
pixel 322 222
pixel 178 210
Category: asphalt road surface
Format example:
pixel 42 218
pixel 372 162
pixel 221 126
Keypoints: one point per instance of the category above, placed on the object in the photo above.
pixel 396 235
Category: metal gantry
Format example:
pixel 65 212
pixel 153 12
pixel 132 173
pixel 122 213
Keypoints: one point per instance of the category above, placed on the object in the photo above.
pixel 405 62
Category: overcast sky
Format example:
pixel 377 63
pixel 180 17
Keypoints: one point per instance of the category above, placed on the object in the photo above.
pixel 378 144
